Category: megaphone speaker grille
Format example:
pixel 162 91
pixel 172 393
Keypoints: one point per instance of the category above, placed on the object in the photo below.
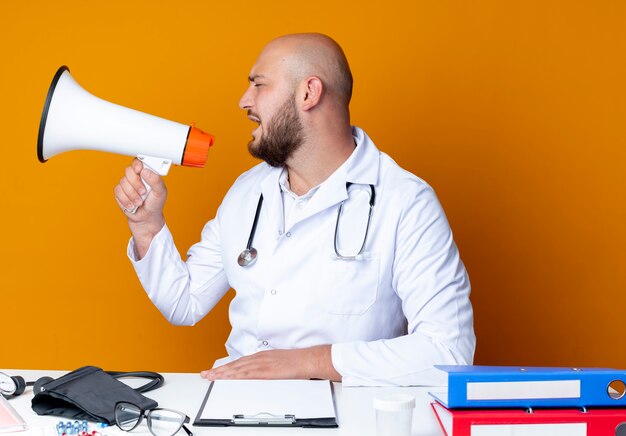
pixel 46 108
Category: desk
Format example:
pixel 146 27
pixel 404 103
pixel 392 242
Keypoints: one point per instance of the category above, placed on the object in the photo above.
pixel 185 392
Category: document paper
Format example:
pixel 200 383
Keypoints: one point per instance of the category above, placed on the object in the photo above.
pixel 305 399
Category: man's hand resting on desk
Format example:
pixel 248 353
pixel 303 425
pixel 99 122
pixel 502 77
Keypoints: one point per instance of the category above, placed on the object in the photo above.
pixel 304 363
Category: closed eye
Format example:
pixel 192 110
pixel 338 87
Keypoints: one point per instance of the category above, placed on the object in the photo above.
pixel 253 80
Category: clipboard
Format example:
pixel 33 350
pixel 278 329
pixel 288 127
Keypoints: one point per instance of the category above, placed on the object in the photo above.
pixel 268 403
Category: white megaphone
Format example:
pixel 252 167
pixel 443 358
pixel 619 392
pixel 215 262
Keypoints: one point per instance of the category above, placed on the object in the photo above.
pixel 74 119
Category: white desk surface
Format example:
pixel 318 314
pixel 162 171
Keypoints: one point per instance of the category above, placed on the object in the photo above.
pixel 185 392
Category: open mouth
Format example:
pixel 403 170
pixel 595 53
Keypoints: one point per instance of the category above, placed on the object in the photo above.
pixel 254 118
pixel 257 120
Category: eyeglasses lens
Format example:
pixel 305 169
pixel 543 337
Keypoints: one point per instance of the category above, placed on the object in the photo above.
pixel 126 416
pixel 164 422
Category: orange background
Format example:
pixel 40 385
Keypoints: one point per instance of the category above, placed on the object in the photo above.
pixel 514 111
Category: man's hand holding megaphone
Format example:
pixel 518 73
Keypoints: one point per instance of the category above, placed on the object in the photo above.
pixel 145 214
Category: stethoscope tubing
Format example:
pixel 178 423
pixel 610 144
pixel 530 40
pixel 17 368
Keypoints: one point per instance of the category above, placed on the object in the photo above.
pixel 249 254
pixel 255 222
pixel 367 228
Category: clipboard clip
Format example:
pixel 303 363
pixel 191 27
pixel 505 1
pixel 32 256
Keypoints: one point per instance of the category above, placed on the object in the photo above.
pixel 264 418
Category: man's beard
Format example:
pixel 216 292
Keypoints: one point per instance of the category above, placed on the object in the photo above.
pixel 281 137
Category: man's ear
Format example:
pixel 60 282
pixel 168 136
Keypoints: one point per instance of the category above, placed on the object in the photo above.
pixel 313 88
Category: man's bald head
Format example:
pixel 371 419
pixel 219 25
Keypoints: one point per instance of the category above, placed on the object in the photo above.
pixel 314 54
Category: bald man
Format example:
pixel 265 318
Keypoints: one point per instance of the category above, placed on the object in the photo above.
pixel 344 265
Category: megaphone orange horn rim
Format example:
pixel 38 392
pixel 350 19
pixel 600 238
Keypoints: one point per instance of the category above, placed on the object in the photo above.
pixel 197 148
pixel 46 107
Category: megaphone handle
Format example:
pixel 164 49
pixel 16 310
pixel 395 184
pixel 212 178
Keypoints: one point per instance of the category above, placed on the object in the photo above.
pixel 143 197
pixel 156 165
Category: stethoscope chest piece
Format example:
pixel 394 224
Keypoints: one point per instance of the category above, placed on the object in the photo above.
pixel 247 257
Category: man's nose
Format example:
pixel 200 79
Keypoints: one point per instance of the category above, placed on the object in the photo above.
pixel 246 101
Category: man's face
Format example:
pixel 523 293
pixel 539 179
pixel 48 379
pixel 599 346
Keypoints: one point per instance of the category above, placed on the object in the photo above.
pixel 270 102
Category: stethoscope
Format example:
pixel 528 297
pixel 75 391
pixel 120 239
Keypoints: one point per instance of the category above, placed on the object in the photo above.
pixel 249 255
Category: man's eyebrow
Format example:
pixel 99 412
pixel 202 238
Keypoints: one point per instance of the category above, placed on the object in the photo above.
pixel 253 77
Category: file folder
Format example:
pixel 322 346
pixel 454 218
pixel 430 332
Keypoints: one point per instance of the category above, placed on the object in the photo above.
pixel 471 386
pixel 268 403
pixel 10 420
pixel 519 422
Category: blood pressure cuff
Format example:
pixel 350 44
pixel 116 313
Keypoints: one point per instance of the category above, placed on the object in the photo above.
pixel 89 393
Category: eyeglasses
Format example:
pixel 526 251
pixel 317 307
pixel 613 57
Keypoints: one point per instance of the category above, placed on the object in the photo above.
pixel 161 422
